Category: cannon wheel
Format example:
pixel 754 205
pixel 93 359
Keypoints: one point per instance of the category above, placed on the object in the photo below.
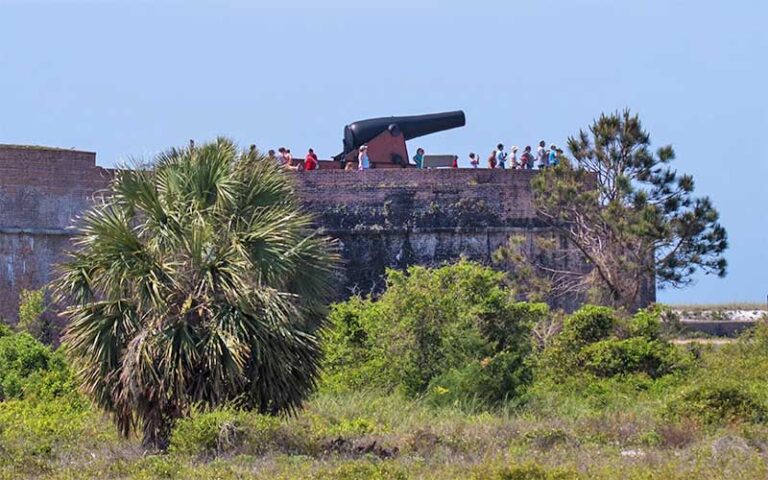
pixel 398 160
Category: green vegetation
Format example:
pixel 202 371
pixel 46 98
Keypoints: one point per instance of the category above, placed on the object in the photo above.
pixel 595 340
pixel 607 397
pixel 30 370
pixel 453 334
pixel 640 227
pixel 198 283
pixel 32 306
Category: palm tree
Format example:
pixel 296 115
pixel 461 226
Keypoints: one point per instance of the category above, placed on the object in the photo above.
pixel 196 281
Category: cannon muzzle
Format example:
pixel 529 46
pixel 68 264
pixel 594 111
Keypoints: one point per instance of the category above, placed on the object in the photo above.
pixel 363 131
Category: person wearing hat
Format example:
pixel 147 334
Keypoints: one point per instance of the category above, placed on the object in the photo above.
pixel 513 158
pixel 552 157
pixel 362 158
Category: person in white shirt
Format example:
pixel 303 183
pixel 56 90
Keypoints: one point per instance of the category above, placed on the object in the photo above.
pixel 541 155
pixel 474 160
pixel 513 158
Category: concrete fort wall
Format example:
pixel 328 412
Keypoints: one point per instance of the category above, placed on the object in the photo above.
pixel 388 218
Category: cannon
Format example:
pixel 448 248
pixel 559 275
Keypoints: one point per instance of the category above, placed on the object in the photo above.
pixel 386 136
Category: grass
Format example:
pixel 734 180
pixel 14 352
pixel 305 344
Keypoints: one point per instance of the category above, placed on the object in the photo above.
pixel 603 430
pixel 707 420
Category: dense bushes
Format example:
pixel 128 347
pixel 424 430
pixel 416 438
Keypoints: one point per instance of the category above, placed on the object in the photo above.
pixel 454 333
pixel 718 402
pixel 225 430
pixel 32 307
pixel 597 341
pixel 611 357
pixel 29 369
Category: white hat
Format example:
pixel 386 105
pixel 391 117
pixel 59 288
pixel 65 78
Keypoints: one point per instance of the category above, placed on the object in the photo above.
pixel 514 148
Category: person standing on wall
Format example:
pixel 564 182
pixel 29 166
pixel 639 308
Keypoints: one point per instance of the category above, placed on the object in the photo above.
pixel 362 158
pixel 310 161
pixel 526 159
pixel 552 159
pixel 492 160
pixel 541 155
pixel 501 156
pixel 418 159
pixel 513 158
pixel 474 159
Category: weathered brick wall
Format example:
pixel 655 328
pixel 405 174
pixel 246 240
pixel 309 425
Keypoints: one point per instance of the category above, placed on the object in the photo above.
pixel 395 218
pixel 41 190
pixel 383 218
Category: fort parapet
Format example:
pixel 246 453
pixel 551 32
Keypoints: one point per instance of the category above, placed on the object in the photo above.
pixel 383 218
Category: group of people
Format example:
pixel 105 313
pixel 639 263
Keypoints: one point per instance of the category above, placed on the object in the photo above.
pixel 545 157
pixel 499 158
pixel 284 158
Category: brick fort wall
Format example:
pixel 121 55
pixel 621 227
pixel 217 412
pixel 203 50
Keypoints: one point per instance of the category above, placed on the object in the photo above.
pixel 388 218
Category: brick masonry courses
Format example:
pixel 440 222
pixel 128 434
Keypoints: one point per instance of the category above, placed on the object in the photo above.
pixel 383 218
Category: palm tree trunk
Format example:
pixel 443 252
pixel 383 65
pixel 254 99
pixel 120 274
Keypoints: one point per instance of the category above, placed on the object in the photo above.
pixel 157 426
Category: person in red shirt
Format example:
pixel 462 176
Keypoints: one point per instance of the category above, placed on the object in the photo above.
pixel 310 162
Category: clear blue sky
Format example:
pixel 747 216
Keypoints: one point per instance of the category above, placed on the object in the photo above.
pixel 129 78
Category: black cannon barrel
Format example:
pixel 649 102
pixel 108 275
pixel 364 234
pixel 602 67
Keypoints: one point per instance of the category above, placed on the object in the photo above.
pixel 414 126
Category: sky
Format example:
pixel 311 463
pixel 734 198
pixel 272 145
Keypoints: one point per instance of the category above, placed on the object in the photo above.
pixel 127 79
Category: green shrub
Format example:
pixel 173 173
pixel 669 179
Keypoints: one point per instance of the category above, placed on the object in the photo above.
pixel 596 341
pixel 5 330
pixel 219 431
pixel 718 402
pixel 647 323
pixel 454 333
pixel 589 324
pixel 611 357
pixel 29 369
pixel 527 471
pixel 41 429
pixel 364 469
pixel 31 309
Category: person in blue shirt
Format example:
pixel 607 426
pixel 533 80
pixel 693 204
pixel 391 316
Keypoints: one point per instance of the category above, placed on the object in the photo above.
pixel 362 158
pixel 501 156
pixel 552 157
pixel 418 159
